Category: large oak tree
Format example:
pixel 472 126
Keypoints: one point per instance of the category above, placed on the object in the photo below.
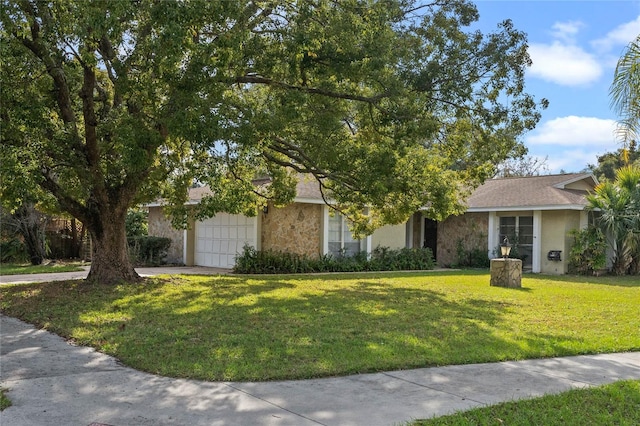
pixel 390 105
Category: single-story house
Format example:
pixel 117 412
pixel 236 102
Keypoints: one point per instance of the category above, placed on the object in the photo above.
pixel 536 213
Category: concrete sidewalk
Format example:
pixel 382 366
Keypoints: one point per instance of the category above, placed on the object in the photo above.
pixel 51 382
pixel 79 275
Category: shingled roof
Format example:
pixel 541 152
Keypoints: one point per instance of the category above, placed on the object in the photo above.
pixel 307 190
pixel 549 192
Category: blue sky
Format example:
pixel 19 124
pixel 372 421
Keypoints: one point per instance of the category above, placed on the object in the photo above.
pixel 574 46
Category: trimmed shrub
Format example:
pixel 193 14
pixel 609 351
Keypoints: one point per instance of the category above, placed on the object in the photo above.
pixel 588 254
pixel 252 261
pixel 148 251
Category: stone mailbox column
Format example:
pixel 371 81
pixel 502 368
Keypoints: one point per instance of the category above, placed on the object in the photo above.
pixel 506 273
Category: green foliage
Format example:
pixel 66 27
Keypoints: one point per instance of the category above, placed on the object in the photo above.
pixel 5 402
pixel 471 257
pixel 390 105
pixel 148 251
pixel 588 253
pixel 13 250
pixel 618 206
pixel 252 261
pixel 611 161
pixel 625 92
pixel 404 259
pixel 136 223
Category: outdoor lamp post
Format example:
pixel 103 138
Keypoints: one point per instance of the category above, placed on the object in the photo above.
pixel 505 247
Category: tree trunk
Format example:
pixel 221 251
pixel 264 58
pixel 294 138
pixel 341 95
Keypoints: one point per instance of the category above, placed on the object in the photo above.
pixel 30 224
pixel 110 263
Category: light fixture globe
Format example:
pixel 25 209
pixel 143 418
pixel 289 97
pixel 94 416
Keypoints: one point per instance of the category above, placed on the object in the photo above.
pixel 505 247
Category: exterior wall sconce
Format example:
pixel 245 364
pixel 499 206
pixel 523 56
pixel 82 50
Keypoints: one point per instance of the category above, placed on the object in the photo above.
pixel 505 247
pixel 265 209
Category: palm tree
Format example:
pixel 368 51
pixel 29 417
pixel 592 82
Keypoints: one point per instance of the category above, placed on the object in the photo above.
pixel 619 205
pixel 628 179
pixel 625 92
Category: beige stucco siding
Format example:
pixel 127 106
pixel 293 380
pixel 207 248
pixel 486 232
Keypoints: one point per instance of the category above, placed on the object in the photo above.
pixel 556 226
pixel 392 236
pixel 160 226
pixel 580 185
pixel 296 228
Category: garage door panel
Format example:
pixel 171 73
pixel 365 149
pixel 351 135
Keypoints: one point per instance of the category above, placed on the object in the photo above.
pixel 221 238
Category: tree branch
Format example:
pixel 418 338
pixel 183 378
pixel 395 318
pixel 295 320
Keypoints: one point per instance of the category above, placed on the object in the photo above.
pixel 255 79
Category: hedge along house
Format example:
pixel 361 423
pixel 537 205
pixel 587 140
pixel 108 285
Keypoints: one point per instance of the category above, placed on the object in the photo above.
pixel 536 213
pixel 303 227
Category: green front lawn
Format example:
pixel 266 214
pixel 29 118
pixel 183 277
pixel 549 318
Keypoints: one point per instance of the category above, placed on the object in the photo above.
pixel 291 327
pixel 19 269
pixel 614 404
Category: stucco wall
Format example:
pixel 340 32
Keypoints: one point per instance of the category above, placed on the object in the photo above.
pixel 470 228
pixel 296 228
pixel 160 226
pixel 556 226
pixel 393 236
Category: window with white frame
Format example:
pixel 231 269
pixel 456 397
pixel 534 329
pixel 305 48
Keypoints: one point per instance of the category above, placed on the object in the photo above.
pixel 519 230
pixel 341 241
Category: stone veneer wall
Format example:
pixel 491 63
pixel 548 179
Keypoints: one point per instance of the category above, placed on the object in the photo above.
pixel 296 228
pixel 471 228
pixel 160 226
pixel 418 238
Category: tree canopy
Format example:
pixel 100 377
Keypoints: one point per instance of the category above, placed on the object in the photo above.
pixel 390 105
pixel 610 162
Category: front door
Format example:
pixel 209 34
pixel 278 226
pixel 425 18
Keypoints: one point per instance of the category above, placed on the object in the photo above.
pixel 431 236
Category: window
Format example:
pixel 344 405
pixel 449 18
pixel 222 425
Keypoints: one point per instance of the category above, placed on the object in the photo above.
pixel 341 241
pixel 519 230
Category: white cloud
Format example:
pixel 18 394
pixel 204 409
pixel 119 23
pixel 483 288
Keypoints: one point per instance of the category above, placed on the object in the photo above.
pixel 563 64
pixel 566 30
pixel 620 36
pixel 573 160
pixel 571 143
pixel 573 131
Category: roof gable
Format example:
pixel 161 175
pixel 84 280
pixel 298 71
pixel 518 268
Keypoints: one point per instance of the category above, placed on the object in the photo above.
pixel 549 192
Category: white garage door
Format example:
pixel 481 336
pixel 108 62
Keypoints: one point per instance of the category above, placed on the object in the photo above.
pixel 221 238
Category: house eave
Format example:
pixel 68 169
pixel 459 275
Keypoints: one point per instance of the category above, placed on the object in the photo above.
pixel 309 200
pixel 579 207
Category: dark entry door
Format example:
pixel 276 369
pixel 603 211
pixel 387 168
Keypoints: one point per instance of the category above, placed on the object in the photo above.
pixel 431 236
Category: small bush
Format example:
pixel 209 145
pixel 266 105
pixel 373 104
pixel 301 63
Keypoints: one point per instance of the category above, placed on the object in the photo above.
pixel 148 251
pixel 252 261
pixel 13 250
pixel 588 253
pixel 471 258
